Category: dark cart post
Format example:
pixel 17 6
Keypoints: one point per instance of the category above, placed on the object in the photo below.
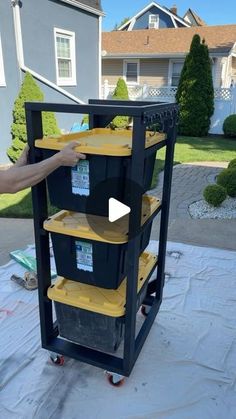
pixel 39 197
pixel 101 112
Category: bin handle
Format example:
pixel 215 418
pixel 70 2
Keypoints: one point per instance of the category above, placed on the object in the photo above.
pixel 59 286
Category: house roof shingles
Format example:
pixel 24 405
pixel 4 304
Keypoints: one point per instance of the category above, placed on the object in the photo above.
pixel 220 39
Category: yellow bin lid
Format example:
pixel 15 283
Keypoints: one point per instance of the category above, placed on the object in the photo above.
pixel 95 227
pixel 102 141
pixel 99 300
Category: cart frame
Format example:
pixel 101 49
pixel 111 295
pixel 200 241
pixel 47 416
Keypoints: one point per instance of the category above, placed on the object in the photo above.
pixel 101 112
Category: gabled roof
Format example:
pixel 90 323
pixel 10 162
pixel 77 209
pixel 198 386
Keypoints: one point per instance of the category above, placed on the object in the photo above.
pixel 198 20
pixel 166 42
pixel 154 4
pixel 95 4
pixel 92 6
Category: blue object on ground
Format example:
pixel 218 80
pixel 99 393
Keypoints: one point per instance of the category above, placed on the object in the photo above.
pixel 77 127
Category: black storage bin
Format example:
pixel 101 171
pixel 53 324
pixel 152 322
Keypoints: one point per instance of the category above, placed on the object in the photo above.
pixel 88 328
pixel 94 317
pixel 82 255
pixel 88 186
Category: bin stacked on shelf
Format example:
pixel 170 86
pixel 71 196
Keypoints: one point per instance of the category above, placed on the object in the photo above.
pixel 91 252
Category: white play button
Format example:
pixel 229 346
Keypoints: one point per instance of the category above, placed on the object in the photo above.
pixel 117 210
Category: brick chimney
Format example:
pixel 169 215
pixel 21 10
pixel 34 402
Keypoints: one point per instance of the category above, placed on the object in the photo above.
pixel 173 9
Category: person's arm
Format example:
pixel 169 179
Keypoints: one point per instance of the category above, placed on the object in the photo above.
pixel 20 177
pixel 23 159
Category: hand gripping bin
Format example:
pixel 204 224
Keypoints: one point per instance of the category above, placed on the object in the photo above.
pixel 95 251
pixel 92 316
pixel 88 186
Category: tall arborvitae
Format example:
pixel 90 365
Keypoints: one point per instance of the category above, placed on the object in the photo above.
pixel 29 92
pixel 195 93
pixel 120 93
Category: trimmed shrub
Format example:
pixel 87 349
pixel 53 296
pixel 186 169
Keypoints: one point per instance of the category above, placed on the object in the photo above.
pixel 229 126
pixel 120 93
pixel 214 195
pixel 195 93
pixel 232 164
pixel 29 92
pixel 227 179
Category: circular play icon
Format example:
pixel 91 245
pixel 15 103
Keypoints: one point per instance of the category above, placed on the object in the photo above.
pixel 116 210
pixel 114 200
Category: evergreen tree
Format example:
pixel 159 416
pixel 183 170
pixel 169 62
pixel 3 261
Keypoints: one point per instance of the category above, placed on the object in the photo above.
pixel 120 93
pixel 29 92
pixel 195 93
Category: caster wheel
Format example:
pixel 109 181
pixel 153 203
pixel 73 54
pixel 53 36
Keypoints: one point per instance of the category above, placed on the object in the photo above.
pixel 115 380
pixel 57 359
pixel 145 310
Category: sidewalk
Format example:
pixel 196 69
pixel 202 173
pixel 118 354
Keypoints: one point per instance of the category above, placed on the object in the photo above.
pixel 188 183
pixel 15 234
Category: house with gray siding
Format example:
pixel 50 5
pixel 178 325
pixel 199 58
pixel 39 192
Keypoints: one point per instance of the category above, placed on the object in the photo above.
pixel 59 43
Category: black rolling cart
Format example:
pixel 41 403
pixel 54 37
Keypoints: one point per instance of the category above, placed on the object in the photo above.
pixel 101 112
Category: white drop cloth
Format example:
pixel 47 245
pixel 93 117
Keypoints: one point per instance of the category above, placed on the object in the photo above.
pixel 186 369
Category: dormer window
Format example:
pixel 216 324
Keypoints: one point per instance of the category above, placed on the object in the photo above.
pixel 153 22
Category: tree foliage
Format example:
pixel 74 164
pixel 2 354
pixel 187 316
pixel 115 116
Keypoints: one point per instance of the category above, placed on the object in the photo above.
pixel 120 93
pixel 29 92
pixel 229 126
pixel 116 27
pixel 195 93
pixel 214 195
pixel 227 179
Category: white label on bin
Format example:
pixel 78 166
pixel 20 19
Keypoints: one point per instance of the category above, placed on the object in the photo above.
pixel 84 256
pixel 80 178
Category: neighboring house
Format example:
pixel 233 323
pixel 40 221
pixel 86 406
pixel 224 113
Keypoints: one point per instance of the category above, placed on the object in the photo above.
pixel 155 57
pixel 59 43
pixel 193 19
pixel 154 16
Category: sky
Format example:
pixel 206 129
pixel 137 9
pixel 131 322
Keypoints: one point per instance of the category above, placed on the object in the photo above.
pixel 213 12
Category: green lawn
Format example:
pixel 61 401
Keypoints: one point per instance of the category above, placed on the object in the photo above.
pixel 187 150
pixel 19 205
pixel 16 205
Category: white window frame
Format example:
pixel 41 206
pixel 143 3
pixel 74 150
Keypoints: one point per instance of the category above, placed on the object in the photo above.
pixel 2 72
pixel 153 25
pixel 125 62
pixel 170 73
pixel 66 81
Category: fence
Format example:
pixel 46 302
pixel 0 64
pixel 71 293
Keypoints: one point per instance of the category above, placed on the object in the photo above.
pixel 224 100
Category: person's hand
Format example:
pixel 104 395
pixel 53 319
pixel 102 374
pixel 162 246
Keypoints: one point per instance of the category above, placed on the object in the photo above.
pixel 68 156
